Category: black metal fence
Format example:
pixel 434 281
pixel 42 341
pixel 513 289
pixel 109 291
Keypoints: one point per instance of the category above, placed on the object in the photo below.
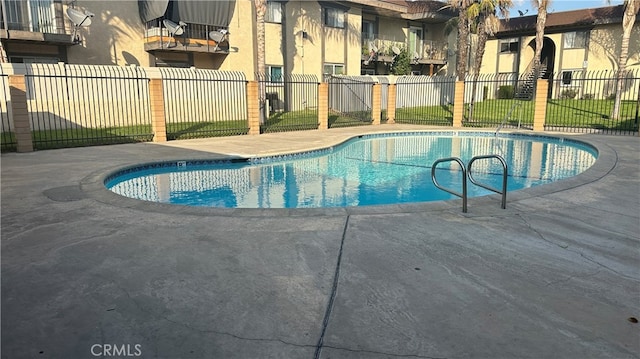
pixel 581 101
pixel 7 136
pixel 425 100
pixel 350 100
pixel 499 100
pixel 289 103
pixel 78 105
pixel 204 103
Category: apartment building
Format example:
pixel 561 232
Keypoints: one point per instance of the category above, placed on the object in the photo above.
pixel 575 41
pixel 302 37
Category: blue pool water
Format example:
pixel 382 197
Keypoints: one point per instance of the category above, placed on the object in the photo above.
pixel 369 170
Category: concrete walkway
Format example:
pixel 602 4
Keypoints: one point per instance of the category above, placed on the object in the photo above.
pixel 88 273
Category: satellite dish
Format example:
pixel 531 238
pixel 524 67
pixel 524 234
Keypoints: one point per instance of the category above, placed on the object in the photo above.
pixel 372 47
pixel 395 50
pixel 218 36
pixel 174 29
pixel 79 19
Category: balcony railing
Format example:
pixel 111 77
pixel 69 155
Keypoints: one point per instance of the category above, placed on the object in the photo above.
pixel 423 51
pixel 195 38
pixel 34 20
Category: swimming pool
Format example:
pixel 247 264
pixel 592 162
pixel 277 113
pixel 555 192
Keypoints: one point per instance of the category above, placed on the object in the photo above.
pixel 376 169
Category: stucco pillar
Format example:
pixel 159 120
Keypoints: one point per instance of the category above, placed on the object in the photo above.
pixel 158 120
pixel 391 104
pixel 540 105
pixel 253 107
pixel 323 106
pixel 458 104
pixel 20 113
pixel 376 105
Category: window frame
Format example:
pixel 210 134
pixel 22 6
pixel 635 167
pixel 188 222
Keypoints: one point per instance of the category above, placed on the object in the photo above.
pixel 271 6
pixel 270 69
pixel 569 39
pixel 333 66
pixel 513 45
pixel 369 34
pixel 338 18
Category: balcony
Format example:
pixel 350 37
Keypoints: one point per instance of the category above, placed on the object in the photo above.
pixel 420 52
pixel 194 39
pixel 34 21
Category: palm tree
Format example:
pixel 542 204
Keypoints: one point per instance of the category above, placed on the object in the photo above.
pixel 463 35
pixel 261 10
pixel 483 13
pixel 631 8
pixel 541 20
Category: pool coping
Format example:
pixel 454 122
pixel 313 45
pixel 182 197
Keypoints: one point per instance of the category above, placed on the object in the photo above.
pixel 93 185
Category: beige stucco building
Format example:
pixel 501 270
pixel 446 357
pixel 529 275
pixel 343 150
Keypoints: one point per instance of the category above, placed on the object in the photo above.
pixel 302 37
pixel 580 40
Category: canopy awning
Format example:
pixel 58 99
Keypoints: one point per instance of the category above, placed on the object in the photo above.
pixel 216 13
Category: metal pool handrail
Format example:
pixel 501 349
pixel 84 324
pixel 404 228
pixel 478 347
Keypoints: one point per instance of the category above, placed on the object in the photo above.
pixel 504 177
pixel 466 173
pixel 462 195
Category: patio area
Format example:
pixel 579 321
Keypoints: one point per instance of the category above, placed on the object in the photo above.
pixel 555 275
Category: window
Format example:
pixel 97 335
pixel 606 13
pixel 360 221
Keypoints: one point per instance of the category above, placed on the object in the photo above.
pixel 274 12
pixel 31 15
pixel 275 74
pixel 367 30
pixel 367 72
pixel 509 46
pixel 566 77
pixel 575 40
pixel 571 77
pixel 333 69
pixel 173 60
pixel 334 17
pixel 415 42
pixel 34 60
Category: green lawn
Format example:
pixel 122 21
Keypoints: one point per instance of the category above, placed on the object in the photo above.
pixel 77 137
pixel 308 119
pixel 291 121
pixel 427 115
pixel 186 130
pixel 591 114
pixel 339 119
pixel 562 113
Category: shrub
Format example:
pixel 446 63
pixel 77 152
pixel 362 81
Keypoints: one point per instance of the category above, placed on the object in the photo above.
pixel 568 94
pixel 588 96
pixel 611 96
pixel 401 64
pixel 506 92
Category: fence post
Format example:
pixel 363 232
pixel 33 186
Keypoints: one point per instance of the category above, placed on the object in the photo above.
pixel 391 104
pixel 253 107
pixel 458 104
pixel 376 106
pixel 158 120
pixel 540 105
pixel 323 106
pixel 20 113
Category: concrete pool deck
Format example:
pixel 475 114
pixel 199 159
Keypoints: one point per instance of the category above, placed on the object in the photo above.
pixel 88 273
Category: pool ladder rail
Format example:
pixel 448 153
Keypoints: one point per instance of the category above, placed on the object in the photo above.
pixel 467 174
pixel 515 106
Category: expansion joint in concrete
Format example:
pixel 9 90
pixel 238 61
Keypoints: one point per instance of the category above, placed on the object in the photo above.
pixel 334 291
